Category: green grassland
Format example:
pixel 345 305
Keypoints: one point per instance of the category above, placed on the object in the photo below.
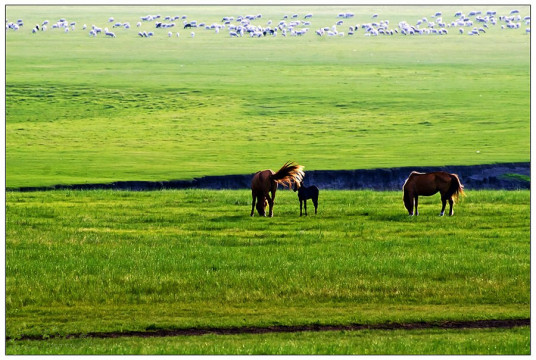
pixel 96 110
pixel 93 110
pixel 89 261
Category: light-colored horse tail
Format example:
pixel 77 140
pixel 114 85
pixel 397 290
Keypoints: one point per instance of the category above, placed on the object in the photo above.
pixel 456 187
pixel 289 173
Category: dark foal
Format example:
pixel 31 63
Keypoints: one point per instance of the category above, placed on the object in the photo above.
pixel 304 193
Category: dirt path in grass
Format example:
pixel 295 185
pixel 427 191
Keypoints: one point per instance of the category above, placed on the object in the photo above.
pixel 476 324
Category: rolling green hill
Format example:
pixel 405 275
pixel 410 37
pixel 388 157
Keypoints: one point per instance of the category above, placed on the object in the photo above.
pixel 90 110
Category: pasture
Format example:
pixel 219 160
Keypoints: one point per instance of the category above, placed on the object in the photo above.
pixel 83 109
pixel 90 110
pixel 80 262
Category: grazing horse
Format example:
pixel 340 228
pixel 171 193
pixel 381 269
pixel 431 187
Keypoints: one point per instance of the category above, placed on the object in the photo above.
pixel 265 183
pixel 304 193
pixel 416 184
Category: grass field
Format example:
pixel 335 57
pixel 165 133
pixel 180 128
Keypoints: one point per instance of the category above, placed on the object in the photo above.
pixel 96 110
pixel 81 262
pixel 164 108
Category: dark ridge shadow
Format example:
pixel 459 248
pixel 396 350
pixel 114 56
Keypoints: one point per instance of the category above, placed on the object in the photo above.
pixel 506 176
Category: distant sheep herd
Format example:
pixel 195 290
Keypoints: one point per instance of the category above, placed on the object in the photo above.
pixel 474 23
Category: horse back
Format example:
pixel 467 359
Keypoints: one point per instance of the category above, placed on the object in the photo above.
pixel 427 184
pixel 309 192
pixel 261 181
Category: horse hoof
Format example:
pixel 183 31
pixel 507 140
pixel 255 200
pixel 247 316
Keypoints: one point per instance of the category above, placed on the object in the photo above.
pixel 441 214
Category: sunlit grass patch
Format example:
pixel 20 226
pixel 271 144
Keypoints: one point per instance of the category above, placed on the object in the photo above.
pixel 200 249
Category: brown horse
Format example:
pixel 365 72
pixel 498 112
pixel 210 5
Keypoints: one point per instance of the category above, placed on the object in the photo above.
pixel 448 185
pixel 265 183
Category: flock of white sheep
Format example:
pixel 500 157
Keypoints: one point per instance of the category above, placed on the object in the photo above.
pixel 472 23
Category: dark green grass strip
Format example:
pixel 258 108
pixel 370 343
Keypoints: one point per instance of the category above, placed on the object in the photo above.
pixel 475 324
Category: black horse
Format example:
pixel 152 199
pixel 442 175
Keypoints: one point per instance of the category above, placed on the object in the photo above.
pixel 304 193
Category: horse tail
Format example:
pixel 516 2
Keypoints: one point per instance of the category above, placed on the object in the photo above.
pixel 290 172
pixel 456 187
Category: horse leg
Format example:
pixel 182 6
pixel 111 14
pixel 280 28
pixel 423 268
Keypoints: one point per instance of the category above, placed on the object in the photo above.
pixel 416 204
pixel 451 202
pixel 443 205
pixel 315 203
pixel 252 203
pixel 262 200
pixel 271 203
pixel 300 207
pixel 305 206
